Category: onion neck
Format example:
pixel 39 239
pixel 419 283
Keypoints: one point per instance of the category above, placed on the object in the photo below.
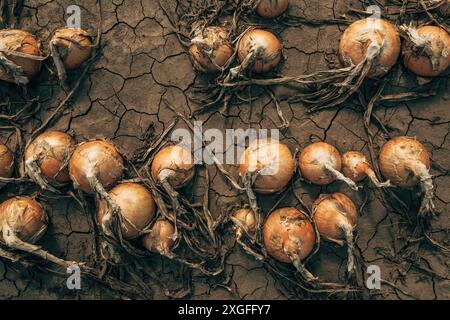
pixel 163 179
pixel 58 62
pixel 426 184
pixel 339 176
pixel 248 179
pixel 372 176
pixel 36 174
pixel 347 228
pixel 297 263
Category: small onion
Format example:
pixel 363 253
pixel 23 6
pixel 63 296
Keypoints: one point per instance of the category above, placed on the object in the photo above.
pixel 259 50
pixel 427 52
pixel 136 206
pixel 74 46
pixel 271 8
pixel 211 49
pixel 270 164
pixel 289 236
pixel 406 163
pixel 46 158
pixel 95 164
pixel 161 238
pixel 21 56
pixel 246 222
pixel 320 163
pixel 370 38
pixel 6 162
pixel 335 216
pixel 356 167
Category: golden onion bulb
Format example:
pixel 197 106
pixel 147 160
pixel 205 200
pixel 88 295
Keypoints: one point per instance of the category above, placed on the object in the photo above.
pixel 271 8
pixel 161 237
pixel 74 46
pixel 356 167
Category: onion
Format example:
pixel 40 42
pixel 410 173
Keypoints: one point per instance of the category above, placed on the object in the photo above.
pixel 289 236
pixel 406 163
pixel 161 237
pixel 356 167
pixel 20 56
pixel 268 164
pixel 211 49
pixel 6 162
pixel 70 48
pixel 427 52
pixel 335 216
pixel 259 50
pixel 46 159
pixel 320 163
pixel 373 39
pixel 136 207
pixel 271 8
pixel 246 222
pixel 94 165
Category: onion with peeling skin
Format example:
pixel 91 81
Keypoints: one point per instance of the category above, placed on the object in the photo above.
pixel 6 162
pixel 46 159
pixel 289 236
pixel 427 51
pixel 258 51
pixel 335 216
pixel 20 56
pixel 370 38
pixel 320 163
pixel 271 8
pixel 136 208
pixel 406 163
pixel 211 49
pixel 356 167
pixel 161 238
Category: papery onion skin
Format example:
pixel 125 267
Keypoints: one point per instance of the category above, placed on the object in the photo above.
pixel 332 213
pixel 26 216
pixel 271 8
pixel 245 217
pixel 174 163
pixel 160 239
pixel 75 55
pixel 396 158
pixel 282 227
pixel 136 205
pixel 356 38
pixel 6 162
pixel 270 155
pixel 271 49
pixel 98 157
pixel 22 42
pixel 419 61
pixel 219 47
pixel 50 150
pixel 313 171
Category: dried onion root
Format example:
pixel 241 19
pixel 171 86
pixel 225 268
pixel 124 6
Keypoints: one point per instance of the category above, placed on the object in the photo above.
pixel 289 237
pixel 356 167
pixel 320 163
pixel 335 216
pixel 20 56
pixel 406 163
pixel 47 157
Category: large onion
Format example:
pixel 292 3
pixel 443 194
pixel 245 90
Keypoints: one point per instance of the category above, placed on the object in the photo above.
pixel 20 55
pixel 259 51
pixel 161 237
pixel 6 162
pixel 46 159
pixel 370 38
pixel 210 49
pixel 289 236
pixel 427 51
pixel 271 8
pixel 406 163
pixel 335 216
pixel 356 167
pixel 320 163
pixel 136 208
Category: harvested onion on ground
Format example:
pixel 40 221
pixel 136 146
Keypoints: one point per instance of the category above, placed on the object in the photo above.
pixel 20 56
pixel 6 162
pixel 161 237
pixel 136 210
pixel 289 237
pixel 335 216
pixel 406 163
pixel 211 49
pixel 245 223
pixel 356 167
pixel 320 163
pixel 46 159
pixel 70 48
pixel 271 8
pixel 427 51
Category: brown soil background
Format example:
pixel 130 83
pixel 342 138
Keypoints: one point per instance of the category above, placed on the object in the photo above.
pixel 142 63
